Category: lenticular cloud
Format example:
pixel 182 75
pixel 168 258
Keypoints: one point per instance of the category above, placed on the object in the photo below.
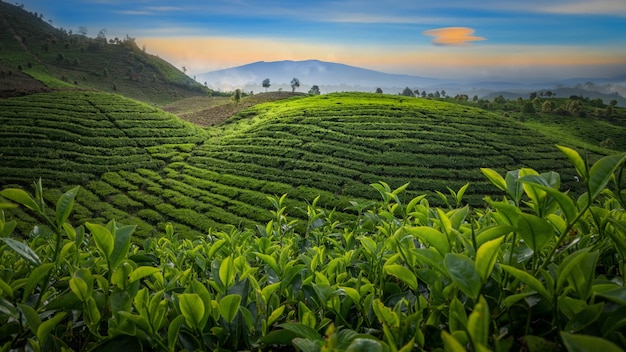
pixel 452 36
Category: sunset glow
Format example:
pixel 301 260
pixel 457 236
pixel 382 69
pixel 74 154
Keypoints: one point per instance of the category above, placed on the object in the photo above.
pixel 489 39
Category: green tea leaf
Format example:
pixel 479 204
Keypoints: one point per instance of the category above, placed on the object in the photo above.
pixel 463 274
pixel 269 260
pixel 121 244
pixel 567 204
pixel 32 318
pixel 142 272
pixel 576 160
pixel 227 271
pixel 450 343
pixel 514 188
pixel 486 258
pixel 192 307
pixel 7 229
pixel 276 314
pixel 495 178
pixel 64 206
pixel 478 322
pixel 457 316
pixel 35 277
pixel 229 306
pixel 23 250
pixel 617 295
pixel 47 326
pixel 352 293
pixel 5 289
pixel 601 172
pixel 21 197
pixel 433 237
pixel 103 238
pixel 535 231
pixel 403 274
pixel 172 331
pixel 492 232
pixel 80 289
pixel 301 330
pixel 528 279
pixel 568 265
pixel 586 343
pixel 585 318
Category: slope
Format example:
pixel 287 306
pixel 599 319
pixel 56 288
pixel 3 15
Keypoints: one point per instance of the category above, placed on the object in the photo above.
pixel 71 137
pixel 139 165
pixel 62 59
pixel 341 143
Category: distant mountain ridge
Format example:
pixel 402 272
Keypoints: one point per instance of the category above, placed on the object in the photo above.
pixel 332 77
pixel 329 76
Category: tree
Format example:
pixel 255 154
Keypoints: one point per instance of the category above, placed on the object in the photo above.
pixel 102 35
pixel 237 96
pixel 408 92
pixel 379 90
pixel 547 106
pixel 417 92
pixel 528 107
pixel 266 84
pixel 314 90
pixel 82 30
pixel 443 93
pixel 295 83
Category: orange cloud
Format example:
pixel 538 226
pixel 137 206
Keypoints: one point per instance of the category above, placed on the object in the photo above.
pixel 452 36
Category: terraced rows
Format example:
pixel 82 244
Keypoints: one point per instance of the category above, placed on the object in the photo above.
pixel 73 136
pixel 341 144
pixel 145 167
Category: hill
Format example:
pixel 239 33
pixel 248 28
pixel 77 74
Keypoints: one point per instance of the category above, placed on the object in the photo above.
pixel 35 54
pixel 213 110
pixel 141 166
pixel 70 137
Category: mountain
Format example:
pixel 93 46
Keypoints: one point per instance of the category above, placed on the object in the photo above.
pixel 329 76
pixel 37 57
pixel 337 77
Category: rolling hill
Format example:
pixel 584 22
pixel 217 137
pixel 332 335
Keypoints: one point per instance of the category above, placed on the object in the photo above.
pixel 35 55
pixel 141 166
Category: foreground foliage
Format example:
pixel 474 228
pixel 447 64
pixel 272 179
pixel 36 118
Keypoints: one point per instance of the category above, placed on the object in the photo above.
pixel 537 270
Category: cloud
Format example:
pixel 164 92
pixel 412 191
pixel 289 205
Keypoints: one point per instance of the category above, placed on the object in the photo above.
pixel 596 7
pixel 452 36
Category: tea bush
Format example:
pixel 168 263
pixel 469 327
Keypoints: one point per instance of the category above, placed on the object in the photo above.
pixel 536 270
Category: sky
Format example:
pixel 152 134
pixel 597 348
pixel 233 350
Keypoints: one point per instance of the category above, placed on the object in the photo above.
pixel 527 41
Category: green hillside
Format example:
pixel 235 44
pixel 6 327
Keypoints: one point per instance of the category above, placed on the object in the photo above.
pixel 140 165
pixel 69 137
pixel 62 59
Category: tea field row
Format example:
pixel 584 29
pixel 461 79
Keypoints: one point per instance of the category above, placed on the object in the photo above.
pixel 142 166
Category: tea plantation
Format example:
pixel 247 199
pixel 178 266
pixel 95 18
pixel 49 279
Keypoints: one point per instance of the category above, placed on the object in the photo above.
pixel 142 166
pixel 539 270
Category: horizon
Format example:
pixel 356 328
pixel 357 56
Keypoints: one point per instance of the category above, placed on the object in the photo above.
pixel 492 40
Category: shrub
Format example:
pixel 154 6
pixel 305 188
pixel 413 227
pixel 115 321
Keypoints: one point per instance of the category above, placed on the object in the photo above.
pixel 538 267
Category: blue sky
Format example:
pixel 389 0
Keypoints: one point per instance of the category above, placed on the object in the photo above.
pixel 530 40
